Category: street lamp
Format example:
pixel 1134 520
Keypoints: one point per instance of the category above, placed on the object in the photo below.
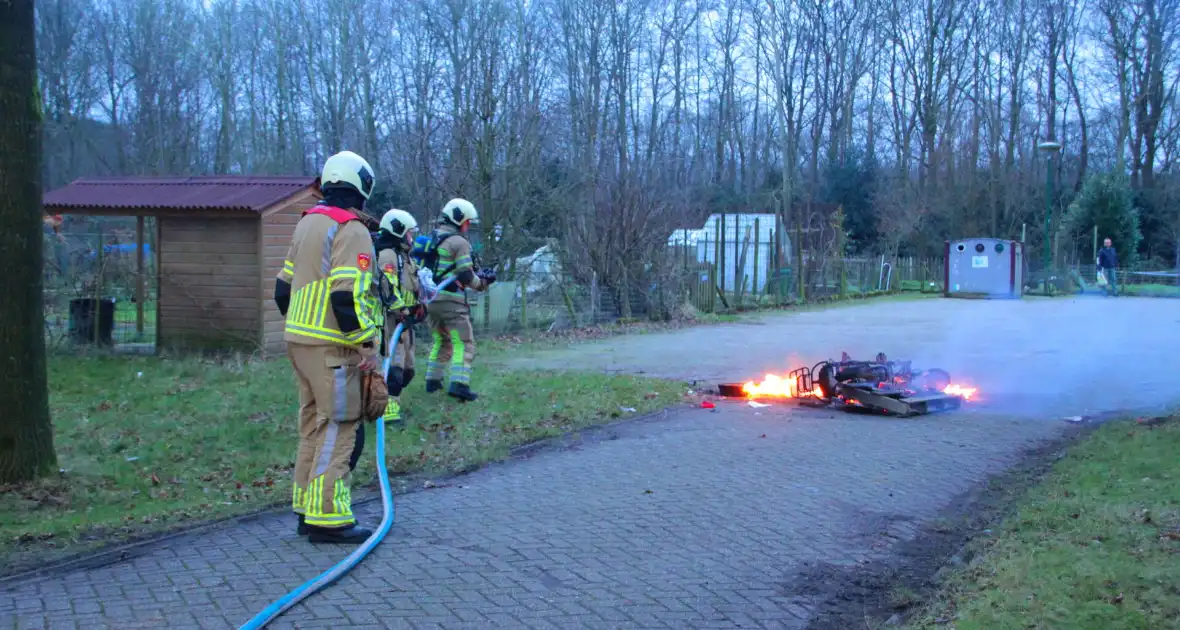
pixel 1049 148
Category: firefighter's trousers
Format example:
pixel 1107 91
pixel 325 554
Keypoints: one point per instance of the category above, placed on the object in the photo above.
pixel 453 342
pixel 330 432
pixel 401 367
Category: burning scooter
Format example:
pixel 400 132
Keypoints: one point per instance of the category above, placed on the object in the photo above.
pixel 878 386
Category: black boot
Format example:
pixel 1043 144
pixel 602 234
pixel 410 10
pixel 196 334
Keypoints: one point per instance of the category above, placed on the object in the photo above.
pixel 303 528
pixel 433 386
pixel 462 391
pixel 352 535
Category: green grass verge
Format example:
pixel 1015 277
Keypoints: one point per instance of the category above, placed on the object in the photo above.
pixel 1150 290
pixel 149 443
pixel 1095 545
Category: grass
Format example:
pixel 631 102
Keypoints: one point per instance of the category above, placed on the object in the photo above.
pixel 1150 290
pixel 149 443
pixel 1096 544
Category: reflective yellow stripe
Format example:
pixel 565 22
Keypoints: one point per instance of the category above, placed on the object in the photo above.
pixel 308 314
pixel 335 513
pixel 462 262
pixel 318 316
pixel 362 335
pixel 345 273
pixel 395 282
pixel 363 300
pixel 288 271
pixel 403 297
pixel 298 499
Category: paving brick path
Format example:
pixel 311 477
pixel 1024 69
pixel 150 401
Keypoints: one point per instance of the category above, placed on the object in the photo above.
pixel 695 520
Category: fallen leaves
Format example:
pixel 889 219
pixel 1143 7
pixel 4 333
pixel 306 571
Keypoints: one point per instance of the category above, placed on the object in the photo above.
pixel 261 416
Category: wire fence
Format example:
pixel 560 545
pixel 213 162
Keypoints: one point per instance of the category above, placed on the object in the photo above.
pixel 1131 282
pixel 555 300
pixel 724 271
pixel 101 287
pixel 99 290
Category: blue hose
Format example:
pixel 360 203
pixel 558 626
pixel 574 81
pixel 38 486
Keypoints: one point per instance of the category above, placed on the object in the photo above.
pixel 280 606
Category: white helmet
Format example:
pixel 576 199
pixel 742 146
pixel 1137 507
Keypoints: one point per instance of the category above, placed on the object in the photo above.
pixel 459 210
pixel 348 170
pixel 398 222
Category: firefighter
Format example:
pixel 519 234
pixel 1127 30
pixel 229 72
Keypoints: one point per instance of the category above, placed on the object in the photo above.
pixel 325 293
pixel 447 255
pixel 403 304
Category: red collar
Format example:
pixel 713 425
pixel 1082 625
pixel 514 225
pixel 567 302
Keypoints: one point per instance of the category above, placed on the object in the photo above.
pixel 339 215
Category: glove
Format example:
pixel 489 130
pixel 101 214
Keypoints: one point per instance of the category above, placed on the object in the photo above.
pixel 368 351
pixel 374 396
pixel 487 275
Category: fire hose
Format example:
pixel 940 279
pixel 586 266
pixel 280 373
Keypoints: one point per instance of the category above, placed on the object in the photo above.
pixel 305 590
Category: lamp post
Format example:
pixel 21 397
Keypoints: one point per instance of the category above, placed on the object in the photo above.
pixel 1049 148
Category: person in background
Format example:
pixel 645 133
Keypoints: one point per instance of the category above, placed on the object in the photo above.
pixel 404 306
pixel 1108 262
pixel 448 255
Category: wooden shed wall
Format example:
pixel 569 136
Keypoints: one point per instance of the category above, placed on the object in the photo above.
pixel 208 283
pixel 278 226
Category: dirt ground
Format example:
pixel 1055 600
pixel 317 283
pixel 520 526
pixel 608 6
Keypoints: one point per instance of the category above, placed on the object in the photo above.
pixel 1040 357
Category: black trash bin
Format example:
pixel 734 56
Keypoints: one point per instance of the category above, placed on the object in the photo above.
pixel 81 322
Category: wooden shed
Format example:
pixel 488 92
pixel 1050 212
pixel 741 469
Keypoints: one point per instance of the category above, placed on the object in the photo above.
pixel 220 241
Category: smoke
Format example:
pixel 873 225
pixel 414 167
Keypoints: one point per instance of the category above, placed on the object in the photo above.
pixel 1031 357
pixel 1058 357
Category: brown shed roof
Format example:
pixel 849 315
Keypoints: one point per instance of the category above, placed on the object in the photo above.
pixel 217 192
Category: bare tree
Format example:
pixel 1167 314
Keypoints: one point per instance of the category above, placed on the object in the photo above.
pixel 605 124
pixel 68 86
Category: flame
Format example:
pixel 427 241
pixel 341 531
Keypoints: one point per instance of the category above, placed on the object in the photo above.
pixel 958 390
pixel 774 386
pixel 771 385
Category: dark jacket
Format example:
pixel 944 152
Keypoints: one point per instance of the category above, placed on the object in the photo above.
pixel 1107 258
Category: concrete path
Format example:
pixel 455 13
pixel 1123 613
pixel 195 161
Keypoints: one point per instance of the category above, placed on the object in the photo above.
pixel 696 520
pixel 1036 356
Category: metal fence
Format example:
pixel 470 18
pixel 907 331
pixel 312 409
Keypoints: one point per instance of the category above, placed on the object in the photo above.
pixel 721 275
pixel 1131 282
pixel 98 289
pixel 550 301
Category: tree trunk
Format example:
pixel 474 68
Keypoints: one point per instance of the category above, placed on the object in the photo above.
pixel 26 435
